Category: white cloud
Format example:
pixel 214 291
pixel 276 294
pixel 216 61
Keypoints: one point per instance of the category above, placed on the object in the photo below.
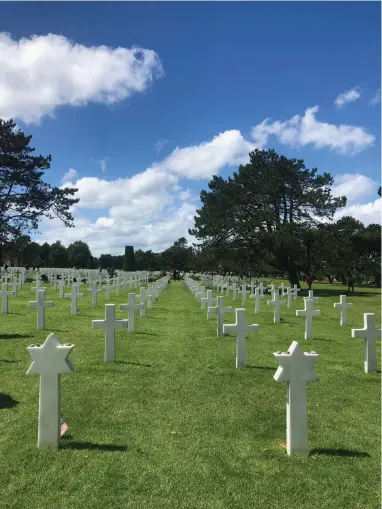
pixel 69 175
pixel 377 98
pixel 367 213
pixel 40 73
pixel 353 186
pixel 160 144
pixel 208 158
pixel 300 131
pixel 102 164
pixel 349 96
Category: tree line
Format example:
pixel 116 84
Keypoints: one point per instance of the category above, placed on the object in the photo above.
pixel 272 217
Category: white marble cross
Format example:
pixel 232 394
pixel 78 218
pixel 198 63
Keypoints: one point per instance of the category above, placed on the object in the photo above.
pixel 219 309
pixel 110 324
pixel 5 293
pixel 311 296
pixel 234 290
pixel 143 298
pixel 74 296
pixel 208 301
pixel 241 329
pixel 261 288
pixel 296 368
pixel 200 294
pixel 257 296
pixel 343 307
pixel 49 361
pixel 252 287
pixel 276 302
pixel 61 287
pixel 308 312
pixel 243 293
pixel 40 304
pixel 107 287
pixel 370 334
pixel 131 307
pixel 94 291
pixel 289 295
pixel 273 289
pixel 295 291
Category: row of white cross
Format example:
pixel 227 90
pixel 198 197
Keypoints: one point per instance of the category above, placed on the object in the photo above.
pixel 51 359
pixel 295 366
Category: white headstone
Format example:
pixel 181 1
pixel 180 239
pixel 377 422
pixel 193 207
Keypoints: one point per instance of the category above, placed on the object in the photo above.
pixel 40 304
pixel 131 307
pixel 219 309
pixel 370 334
pixel 257 297
pixel 94 291
pixel 74 296
pixel 276 302
pixel 208 301
pixel 5 293
pixel 308 312
pixel 49 361
pixel 343 307
pixel 110 324
pixel 241 329
pixel 296 368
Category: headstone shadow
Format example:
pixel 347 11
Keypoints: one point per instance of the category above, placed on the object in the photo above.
pixel 6 401
pixel 134 364
pixel 7 361
pixel 15 336
pixel 147 333
pixel 340 452
pixel 94 447
pixel 269 368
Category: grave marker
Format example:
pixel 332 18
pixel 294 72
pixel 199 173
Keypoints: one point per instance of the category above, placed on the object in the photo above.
pixel 308 312
pixel 40 304
pixel 241 329
pixel 343 307
pixel 219 309
pixel 296 368
pixel 49 361
pixel 370 334
pixel 109 325
pixel 131 307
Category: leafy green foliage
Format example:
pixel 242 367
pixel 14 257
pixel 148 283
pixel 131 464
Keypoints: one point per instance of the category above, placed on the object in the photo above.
pixel 129 264
pixel 24 197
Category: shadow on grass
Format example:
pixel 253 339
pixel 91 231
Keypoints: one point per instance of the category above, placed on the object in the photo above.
pixel 263 367
pixel 6 401
pixel 94 447
pixel 15 336
pixel 135 364
pixel 56 330
pixel 147 333
pixel 328 292
pixel 6 361
pixel 340 452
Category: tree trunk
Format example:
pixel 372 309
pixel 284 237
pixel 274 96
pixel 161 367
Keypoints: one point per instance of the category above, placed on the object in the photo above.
pixel 293 277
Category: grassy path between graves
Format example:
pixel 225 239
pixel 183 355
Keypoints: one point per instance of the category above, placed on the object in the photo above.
pixel 174 425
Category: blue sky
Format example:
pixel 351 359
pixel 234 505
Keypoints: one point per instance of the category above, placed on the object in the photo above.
pixel 141 132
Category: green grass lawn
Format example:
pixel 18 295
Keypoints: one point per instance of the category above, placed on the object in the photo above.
pixel 173 424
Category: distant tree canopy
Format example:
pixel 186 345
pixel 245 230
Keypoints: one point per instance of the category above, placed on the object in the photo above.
pixel 129 264
pixel 264 214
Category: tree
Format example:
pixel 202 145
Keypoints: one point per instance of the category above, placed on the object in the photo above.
pixel 264 209
pixel 129 264
pixel 78 254
pixel 178 257
pixel 24 197
pixel 58 255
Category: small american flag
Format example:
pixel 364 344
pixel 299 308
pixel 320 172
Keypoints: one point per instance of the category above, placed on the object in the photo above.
pixel 64 427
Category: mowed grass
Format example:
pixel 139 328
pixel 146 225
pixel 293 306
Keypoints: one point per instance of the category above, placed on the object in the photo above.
pixel 173 424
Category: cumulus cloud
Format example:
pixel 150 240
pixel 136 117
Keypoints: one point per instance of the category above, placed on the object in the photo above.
pixel 349 96
pixel 40 73
pixel 377 98
pixel 367 213
pixel 307 130
pixel 69 175
pixel 353 186
pixel 206 159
